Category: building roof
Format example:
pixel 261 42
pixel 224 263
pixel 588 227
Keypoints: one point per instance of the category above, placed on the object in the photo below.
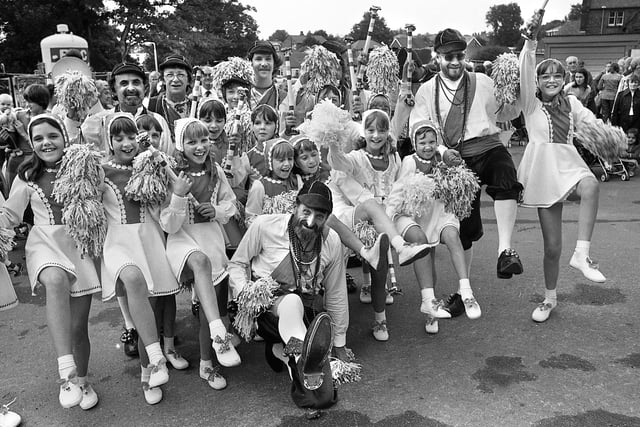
pixel 401 41
pixel 566 29
pixel 612 4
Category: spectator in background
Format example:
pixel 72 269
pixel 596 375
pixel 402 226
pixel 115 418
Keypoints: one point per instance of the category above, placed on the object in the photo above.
pixel 631 65
pixel 572 67
pixel 608 86
pixel 52 97
pixel 580 89
pixel 626 110
pixel 488 66
pixel 208 91
pixel 105 96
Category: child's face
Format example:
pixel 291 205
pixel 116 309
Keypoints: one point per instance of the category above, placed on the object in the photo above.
pixel 34 108
pixel 426 143
pixel 154 137
pixel 375 137
pixel 381 103
pixel 263 129
pixel 48 143
pixel 125 147
pixel 631 138
pixel 232 95
pixel 282 167
pixel 215 126
pixel 308 162
pixel 331 96
pixel 6 103
pixel 196 150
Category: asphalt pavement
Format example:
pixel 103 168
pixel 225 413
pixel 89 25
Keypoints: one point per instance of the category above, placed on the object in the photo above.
pixel 580 368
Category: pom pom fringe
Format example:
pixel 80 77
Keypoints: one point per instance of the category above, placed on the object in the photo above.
pixel 344 372
pixel 282 203
pixel 234 67
pixel 77 187
pixel 505 73
pixel 321 68
pixel 255 298
pixel 366 233
pixel 76 92
pixel 601 140
pixel 417 193
pixel 149 182
pixel 329 125
pixel 456 187
pixel 382 71
pixel 6 242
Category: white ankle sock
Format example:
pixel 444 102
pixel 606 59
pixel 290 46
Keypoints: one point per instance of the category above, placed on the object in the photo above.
pixel 464 289
pixel 550 296
pixel 398 242
pixel 205 364
pixel 66 365
pixel 379 317
pixel 427 294
pixel 82 380
pixel 155 353
pixel 145 374
pixel 214 328
pixel 582 248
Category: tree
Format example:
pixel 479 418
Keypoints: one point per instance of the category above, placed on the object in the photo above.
pixel 207 31
pixel 381 32
pixel 489 53
pixel 279 35
pixel 505 20
pixel 575 12
pixel 25 22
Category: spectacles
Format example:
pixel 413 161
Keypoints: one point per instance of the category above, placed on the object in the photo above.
pixel 451 56
pixel 180 76
pixel 548 77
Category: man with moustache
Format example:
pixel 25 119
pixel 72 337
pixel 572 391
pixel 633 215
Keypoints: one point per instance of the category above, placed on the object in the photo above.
pixel 305 258
pixel 464 108
pixel 265 61
pixel 173 103
pixel 129 82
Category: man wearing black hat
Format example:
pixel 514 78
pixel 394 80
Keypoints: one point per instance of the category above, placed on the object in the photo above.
pixel 128 82
pixel 306 260
pixel 464 108
pixel 265 62
pixel 174 103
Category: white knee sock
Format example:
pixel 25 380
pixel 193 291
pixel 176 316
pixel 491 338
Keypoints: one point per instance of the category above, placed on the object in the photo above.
pixel 290 314
pixel 66 365
pixel 506 211
pixel 398 242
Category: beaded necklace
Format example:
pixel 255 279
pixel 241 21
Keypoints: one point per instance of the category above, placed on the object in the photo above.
pixel 297 251
pixel 119 166
pixel 465 99
pixel 373 156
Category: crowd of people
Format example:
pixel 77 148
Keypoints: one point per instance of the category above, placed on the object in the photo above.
pixel 256 202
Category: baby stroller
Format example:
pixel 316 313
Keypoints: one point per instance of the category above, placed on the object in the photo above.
pixel 607 169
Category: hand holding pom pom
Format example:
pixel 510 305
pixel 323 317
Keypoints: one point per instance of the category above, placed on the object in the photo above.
pixel 451 158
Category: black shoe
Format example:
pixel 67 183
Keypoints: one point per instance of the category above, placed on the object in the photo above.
pixel 509 264
pixel 316 349
pixel 15 268
pixel 454 305
pixel 351 284
pixel 276 364
pixel 195 308
pixel 130 340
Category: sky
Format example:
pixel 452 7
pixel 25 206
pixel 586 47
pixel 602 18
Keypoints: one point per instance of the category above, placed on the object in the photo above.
pixel 338 16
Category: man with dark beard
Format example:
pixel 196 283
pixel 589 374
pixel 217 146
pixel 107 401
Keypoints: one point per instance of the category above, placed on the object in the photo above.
pixel 306 260
pixel 464 109
pixel 128 82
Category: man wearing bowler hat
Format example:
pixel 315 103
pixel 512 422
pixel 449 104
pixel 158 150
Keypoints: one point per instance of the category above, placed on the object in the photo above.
pixel 464 109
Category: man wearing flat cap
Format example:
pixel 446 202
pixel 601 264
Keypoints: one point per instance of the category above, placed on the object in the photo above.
pixel 305 258
pixel 265 62
pixel 174 103
pixel 464 109
pixel 128 82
